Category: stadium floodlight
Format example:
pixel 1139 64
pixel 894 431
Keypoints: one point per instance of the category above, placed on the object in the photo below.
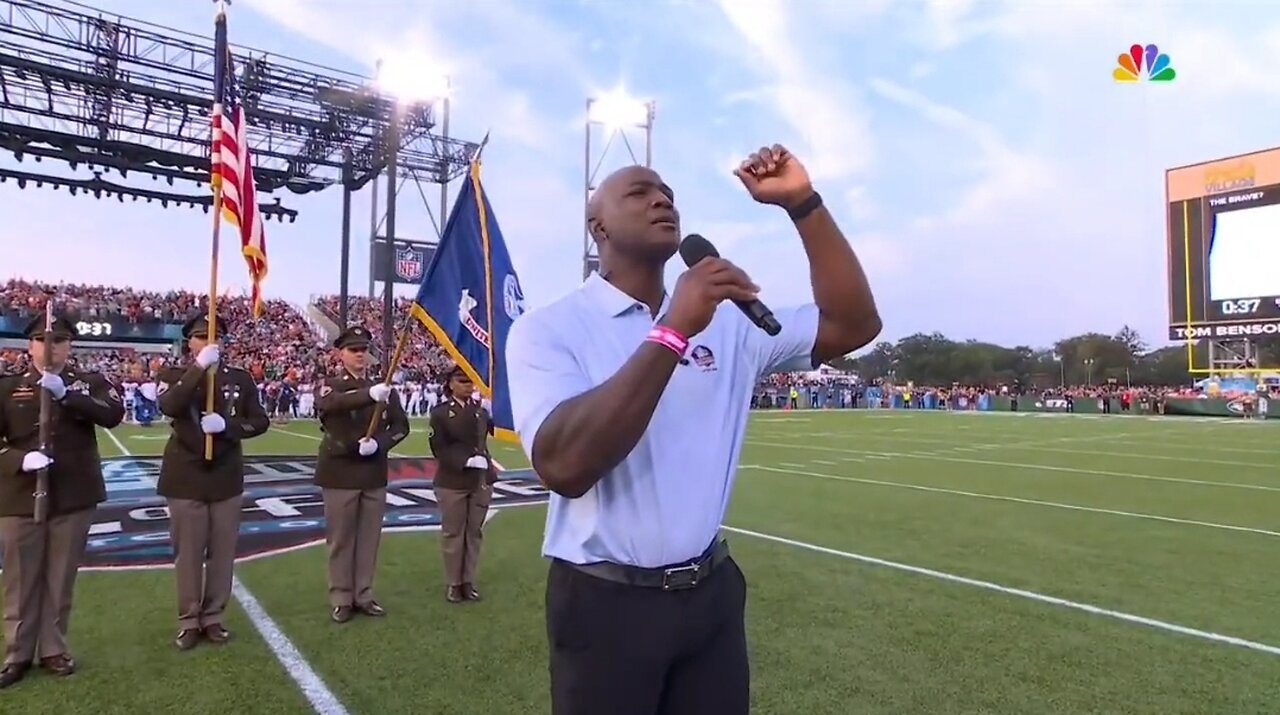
pixel 616 110
pixel 402 75
pixel 413 79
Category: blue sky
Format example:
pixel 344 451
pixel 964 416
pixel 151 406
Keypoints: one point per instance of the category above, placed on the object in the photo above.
pixel 995 180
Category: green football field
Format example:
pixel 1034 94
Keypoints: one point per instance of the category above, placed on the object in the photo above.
pixel 898 562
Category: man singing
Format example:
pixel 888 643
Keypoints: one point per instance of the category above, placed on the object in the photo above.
pixel 614 388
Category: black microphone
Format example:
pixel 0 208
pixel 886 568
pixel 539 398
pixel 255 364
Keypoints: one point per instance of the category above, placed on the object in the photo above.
pixel 694 248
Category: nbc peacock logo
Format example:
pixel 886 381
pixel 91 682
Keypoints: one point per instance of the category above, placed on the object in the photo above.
pixel 1129 67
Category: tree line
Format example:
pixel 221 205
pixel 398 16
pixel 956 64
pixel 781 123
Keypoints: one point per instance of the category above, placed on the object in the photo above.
pixel 1091 358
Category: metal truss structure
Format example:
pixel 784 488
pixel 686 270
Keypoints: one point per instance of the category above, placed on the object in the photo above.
pixel 111 94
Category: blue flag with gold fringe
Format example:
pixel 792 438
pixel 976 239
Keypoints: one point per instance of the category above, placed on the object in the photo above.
pixel 471 294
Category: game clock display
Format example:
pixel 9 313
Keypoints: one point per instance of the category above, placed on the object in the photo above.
pixel 102 330
pixel 1224 248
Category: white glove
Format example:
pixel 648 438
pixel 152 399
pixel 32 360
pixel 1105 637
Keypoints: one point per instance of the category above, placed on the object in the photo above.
pixel 380 392
pixel 213 423
pixel 208 357
pixel 368 447
pixel 477 462
pixel 54 384
pixel 35 461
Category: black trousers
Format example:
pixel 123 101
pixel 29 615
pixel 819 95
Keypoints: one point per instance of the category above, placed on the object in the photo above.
pixel 631 650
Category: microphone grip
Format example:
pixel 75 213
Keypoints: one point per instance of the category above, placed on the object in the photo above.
pixel 760 315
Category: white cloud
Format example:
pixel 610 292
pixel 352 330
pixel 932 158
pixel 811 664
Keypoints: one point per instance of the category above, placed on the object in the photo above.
pixel 824 112
pixel 859 204
pixel 495 53
pixel 1006 174
pixel 948 21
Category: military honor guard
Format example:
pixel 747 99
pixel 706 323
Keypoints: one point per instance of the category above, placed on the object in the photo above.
pixel 351 471
pixel 204 495
pixel 465 474
pixel 40 558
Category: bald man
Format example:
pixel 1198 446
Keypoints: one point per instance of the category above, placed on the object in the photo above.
pixel 632 404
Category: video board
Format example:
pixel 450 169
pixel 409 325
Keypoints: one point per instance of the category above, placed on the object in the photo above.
pixel 1224 248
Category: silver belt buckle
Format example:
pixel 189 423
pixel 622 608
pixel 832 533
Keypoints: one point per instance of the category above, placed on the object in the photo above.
pixel 680 577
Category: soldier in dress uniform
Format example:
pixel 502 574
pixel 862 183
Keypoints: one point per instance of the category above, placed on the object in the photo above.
pixel 351 472
pixel 204 497
pixel 460 428
pixel 41 560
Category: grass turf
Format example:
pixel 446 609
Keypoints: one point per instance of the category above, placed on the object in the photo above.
pixel 1122 513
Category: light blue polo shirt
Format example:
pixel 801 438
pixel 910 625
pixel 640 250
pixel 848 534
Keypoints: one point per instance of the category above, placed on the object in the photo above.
pixel 664 503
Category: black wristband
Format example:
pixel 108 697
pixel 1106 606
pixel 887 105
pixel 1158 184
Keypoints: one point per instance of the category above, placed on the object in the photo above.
pixel 806 207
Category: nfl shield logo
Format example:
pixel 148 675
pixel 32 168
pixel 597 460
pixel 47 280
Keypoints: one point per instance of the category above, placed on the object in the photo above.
pixel 409 264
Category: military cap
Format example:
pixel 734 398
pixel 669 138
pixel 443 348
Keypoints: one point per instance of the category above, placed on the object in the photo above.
pixel 353 337
pixel 198 326
pixel 62 328
pixel 456 370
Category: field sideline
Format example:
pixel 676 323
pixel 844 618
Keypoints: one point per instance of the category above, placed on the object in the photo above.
pixel 898 562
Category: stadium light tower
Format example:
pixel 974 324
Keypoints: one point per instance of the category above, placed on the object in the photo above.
pixel 614 113
pixel 402 77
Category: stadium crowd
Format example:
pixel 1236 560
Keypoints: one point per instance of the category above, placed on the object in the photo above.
pixel 25 298
pixel 287 354
pixel 284 351
pixel 422 359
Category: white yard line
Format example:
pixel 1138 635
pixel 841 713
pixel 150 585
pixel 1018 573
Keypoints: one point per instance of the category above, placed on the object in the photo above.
pixel 1049 446
pixel 119 445
pixel 879 454
pixel 1020 500
pixel 1021 593
pixel 313 687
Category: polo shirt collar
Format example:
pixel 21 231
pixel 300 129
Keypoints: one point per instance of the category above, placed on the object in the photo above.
pixel 613 301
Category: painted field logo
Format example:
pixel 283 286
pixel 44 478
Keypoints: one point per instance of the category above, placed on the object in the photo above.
pixel 282 508
pixel 1129 67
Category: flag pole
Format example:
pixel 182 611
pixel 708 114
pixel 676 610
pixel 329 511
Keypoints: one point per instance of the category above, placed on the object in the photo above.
pixel 220 16
pixel 211 373
pixel 488 260
pixel 392 366
pixel 40 497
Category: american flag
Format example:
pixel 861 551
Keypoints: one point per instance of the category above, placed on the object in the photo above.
pixel 231 167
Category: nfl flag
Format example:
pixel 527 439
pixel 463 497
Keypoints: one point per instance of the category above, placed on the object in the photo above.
pixel 470 295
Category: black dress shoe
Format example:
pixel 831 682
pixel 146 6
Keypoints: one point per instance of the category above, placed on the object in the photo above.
pixel 372 609
pixel 470 593
pixel 12 673
pixel 453 594
pixel 60 665
pixel 187 638
pixel 217 634
pixel 341 614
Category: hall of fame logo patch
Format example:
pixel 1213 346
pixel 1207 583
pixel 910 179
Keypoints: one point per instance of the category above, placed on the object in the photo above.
pixel 282 511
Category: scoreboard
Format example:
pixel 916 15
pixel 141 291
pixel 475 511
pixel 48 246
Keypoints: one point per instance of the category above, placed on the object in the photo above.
pixel 1224 248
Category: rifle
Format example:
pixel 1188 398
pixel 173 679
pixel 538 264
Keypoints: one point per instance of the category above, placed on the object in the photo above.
pixel 41 495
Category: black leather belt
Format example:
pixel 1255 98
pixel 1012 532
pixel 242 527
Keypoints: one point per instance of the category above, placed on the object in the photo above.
pixel 668 578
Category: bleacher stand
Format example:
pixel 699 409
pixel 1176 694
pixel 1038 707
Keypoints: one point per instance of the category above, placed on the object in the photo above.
pixel 283 350
pixel 423 358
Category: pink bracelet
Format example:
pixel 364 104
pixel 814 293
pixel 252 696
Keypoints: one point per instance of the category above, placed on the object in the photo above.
pixel 668 338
